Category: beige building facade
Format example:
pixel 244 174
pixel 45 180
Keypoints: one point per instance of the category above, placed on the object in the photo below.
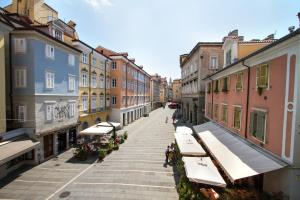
pixel 176 88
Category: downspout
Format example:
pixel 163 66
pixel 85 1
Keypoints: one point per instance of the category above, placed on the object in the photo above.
pixel 11 79
pixel 248 95
pixel 126 104
pixel 212 97
pixel 105 68
pixel 90 81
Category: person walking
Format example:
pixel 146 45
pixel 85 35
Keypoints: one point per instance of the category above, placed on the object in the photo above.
pixel 167 154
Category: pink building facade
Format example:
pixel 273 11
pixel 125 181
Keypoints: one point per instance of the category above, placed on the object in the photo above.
pixel 258 98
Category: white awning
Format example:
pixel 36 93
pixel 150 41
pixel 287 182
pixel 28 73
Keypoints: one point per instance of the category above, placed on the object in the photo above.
pixel 202 170
pixel 15 147
pixel 100 129
pixel 235 155
pixel 188 145
pixel 184 129
pixel 115 124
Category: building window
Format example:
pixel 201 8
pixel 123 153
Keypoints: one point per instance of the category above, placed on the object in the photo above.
pixel 239 81
pixel 216 111
pixel 258 125
pixel 114 100
pixel 217 86
pixel 114 65
pixel 107 83
pixel 213 62
pixel 94 62
pixel 208 88
pixel 71 83
pixel 20 78
pixel 84 80
pixel 49 51
pixel 49 18
pixel 262 77
pixel 226 84
pixel 50 80
pixel 102 85
pixel 107 102
pixel 58 34
pixel 21 113
pixel 71 59
pixel 114 82
pixel 84 103
pixel 84 58
pixel 20 45
pixel 228 57
pixel 224 113
pixel 102 104
pixel 93 103
pixel 71 109
pixel 94 81
pixel 49 112
pixel 237 117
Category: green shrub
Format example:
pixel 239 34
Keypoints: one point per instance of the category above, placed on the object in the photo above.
pixel 125 135
pixel 110 146
pixel 122 139
pixel 102 154
pixel 116 147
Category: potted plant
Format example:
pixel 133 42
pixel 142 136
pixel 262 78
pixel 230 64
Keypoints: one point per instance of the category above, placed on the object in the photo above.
pixel 81 154
pixel 101 154
pixel 116 147
pixel 125 135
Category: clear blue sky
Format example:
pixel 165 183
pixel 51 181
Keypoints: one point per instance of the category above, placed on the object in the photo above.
pixel 156 32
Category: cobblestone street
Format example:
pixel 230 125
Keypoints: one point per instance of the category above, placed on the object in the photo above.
pixel 135 171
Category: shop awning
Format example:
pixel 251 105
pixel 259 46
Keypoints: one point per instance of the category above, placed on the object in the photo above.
pixel 202 170
pixel 100 129
pixel 237 157
pixel 15 147
pixel 184 129
pixel 188 145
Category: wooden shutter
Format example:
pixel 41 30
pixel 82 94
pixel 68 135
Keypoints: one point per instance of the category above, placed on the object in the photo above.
pixel 260 126
pixel 258 77
pixel 264 75
pixel 252 123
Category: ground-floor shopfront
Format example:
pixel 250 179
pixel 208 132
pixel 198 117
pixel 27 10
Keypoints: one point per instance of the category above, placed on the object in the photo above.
pixel 56 142
pixel 125 116
pixel 193 109
pixel 244 163
pixel 155 105
pixel 17 148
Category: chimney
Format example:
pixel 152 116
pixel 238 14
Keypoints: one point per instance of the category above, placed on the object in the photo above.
pixel 72 24
pixel 291 29
pixel 299 18
pixel 234 33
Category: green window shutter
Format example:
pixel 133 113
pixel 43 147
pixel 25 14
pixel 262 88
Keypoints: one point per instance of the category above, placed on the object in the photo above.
pixel 258 76
pixel 260 126
pixel 252 123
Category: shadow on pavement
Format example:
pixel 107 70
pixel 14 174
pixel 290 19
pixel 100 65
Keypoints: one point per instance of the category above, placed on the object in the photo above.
pixel 14 175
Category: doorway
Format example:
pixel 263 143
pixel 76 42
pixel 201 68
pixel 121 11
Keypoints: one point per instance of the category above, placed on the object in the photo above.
pixel 73 136
pixel 124 119
pixel 48 145
pixel 61 142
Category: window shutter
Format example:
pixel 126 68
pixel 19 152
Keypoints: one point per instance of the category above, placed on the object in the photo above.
pixel 257 77
pixel 252 123
pixel 264 75
pixel 260 126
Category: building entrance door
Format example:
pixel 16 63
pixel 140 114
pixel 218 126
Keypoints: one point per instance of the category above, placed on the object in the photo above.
pixel 61 142
pixel 73 136
pixel 124 119
pixel 48 145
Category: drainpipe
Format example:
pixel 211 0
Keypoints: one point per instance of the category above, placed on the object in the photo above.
pixel 90 81
pixel 126 104
pixel 105 68
pixel 11 79
pixel 212 97
pixel 248 95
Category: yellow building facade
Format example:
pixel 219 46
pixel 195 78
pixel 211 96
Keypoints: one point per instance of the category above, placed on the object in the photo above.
pixel 94 86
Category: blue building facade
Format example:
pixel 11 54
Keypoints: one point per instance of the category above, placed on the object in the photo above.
pixel 45 75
